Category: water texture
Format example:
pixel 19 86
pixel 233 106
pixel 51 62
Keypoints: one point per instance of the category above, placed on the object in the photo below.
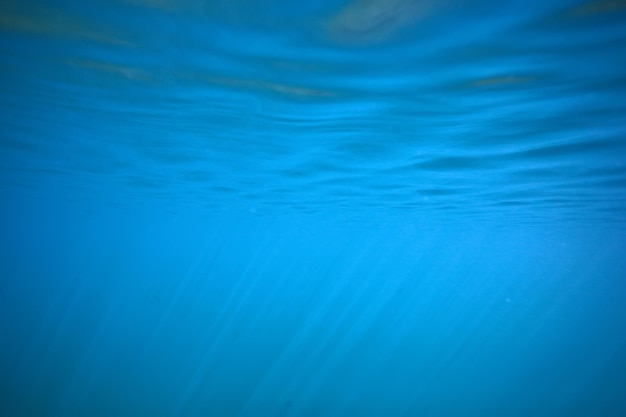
pixel 312 208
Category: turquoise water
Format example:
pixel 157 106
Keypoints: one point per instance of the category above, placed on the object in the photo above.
pixel 323 208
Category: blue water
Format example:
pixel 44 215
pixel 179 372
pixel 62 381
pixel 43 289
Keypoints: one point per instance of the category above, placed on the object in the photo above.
pixel 312 208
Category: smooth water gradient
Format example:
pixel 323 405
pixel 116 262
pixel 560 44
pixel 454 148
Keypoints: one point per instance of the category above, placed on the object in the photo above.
pixel 312 208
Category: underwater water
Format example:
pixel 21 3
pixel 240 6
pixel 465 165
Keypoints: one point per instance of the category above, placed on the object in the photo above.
pixel 312 208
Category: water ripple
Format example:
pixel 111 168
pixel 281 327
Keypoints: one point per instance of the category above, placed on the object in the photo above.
pixel 365 105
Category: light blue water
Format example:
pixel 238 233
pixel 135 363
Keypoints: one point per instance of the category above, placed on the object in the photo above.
pixel 323 208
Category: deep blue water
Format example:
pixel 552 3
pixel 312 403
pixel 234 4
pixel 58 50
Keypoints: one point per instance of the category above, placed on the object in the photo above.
pixel 313 208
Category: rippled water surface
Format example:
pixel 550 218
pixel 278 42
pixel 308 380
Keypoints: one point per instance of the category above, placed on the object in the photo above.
pixel 344 208
pixel 449 107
